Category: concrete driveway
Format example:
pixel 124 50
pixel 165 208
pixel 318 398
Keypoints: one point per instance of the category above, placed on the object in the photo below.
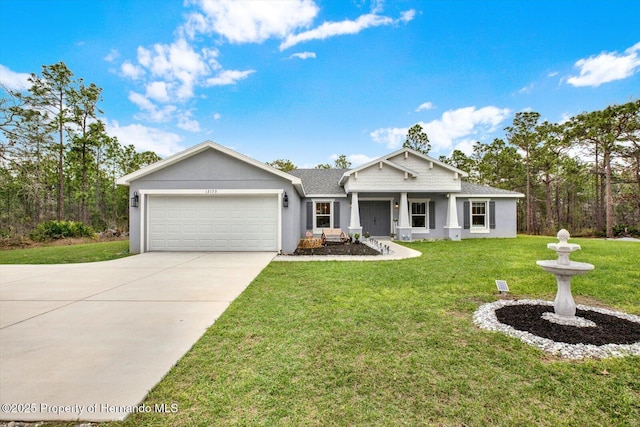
pixel 88 341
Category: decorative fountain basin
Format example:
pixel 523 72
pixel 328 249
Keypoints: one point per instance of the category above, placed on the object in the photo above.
pixel 564 270
pixel 594 332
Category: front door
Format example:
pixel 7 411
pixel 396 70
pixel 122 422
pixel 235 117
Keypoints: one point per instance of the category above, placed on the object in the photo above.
pixel 375 217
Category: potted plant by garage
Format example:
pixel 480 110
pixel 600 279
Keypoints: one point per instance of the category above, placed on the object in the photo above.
pixel 357 236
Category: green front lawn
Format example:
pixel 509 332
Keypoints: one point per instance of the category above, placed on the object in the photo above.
pixel 393 343
pixel 89 252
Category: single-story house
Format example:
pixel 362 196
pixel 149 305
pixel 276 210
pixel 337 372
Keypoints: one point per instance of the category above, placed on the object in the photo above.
pixel 211 198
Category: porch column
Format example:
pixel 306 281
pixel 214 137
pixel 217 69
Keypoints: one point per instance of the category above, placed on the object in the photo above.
pixel 452 229
pixel 404 226
pixel 354 224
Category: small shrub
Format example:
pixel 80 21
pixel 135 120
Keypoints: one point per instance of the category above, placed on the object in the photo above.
pixel 625 231
pixel 53 230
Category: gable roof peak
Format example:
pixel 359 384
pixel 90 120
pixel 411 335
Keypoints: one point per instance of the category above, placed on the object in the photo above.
pixel 196 149
pixel 406 151
pixel 427 158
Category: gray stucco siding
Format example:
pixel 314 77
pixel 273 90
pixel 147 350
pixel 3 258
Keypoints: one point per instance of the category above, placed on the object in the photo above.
pixel 212 170
pixel 213 167
pixel 505 219
pixel 290 216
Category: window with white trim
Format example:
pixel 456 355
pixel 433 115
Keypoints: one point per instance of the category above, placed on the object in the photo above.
pixel 419 213
pixel 322 217
pixel 479 215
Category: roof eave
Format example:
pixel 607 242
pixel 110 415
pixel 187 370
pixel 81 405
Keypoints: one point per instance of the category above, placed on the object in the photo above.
pixel 492 195
pixel 325 195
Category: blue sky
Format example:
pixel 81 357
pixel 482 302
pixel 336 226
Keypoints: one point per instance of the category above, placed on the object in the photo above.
pixel 309 80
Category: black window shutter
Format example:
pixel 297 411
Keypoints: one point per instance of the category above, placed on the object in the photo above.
pixel 467 215
pixel 336 214
pixel 492 215
pixel 432 215
pixel 309 215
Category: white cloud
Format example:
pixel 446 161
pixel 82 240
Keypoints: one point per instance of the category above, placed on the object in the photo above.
pixel 407 16
pixel 131 71
pixel 454 127
pixel 606 67
pixel 257 21
pixel 228 77
pixel 146 138
pixel 179 63
pixel 185 122
pixel 359 159
pixel 526 89
pixel 14 81
pixel 217 116
pixel 425 106
pixel 331 29
pixel 158 91
pixel 465 145
pixel 390 137
pixel 141 101
pixel 174 71
pixel 150 110
pixel 196 24
pixel 170 73
pixel 112 55
pixel 303 55
pixel 250 21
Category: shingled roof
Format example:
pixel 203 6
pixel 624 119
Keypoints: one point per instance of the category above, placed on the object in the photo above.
pixel 470 189
pixel 320 181
pixel 324 182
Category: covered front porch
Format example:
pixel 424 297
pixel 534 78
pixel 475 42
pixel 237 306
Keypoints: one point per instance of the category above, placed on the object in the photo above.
pixel 405 216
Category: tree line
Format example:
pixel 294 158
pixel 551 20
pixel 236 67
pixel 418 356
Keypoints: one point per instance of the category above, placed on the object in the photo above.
pixel 57 160
pixel 582 174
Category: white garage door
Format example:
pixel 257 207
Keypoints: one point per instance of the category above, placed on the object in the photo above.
pixel 220 223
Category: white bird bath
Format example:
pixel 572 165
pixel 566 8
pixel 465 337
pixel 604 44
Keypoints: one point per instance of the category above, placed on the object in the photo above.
pixel 564 270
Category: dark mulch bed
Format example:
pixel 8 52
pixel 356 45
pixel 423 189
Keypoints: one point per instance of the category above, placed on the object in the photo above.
pixel 609 329
pixel 345 249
